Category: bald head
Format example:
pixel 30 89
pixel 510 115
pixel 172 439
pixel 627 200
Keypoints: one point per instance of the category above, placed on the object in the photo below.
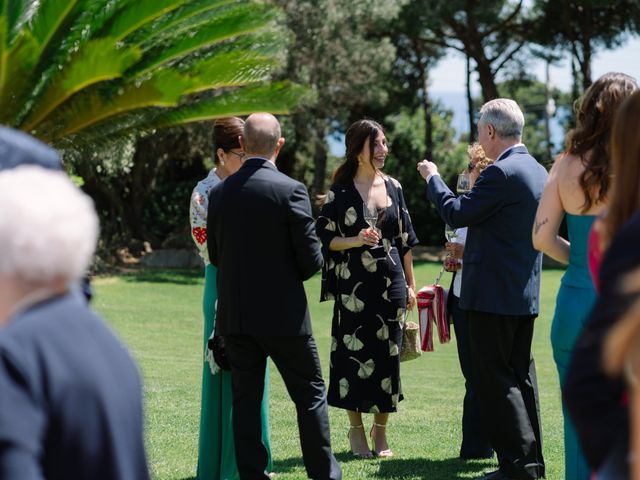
pixel 261 136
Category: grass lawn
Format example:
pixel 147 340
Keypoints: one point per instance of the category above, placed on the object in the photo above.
pixel 158 315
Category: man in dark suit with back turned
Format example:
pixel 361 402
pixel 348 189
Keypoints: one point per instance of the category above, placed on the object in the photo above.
pixel 262 239
pixel 501 285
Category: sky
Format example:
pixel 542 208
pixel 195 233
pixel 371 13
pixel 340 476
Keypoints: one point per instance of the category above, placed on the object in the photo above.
pixel 448 76
pixel 448 82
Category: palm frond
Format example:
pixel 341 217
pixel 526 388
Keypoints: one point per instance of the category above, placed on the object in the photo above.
pixel 17 13
pixel 92 107
pixel 232 23
pixel 49 17
pixel 234 68
pixel 277 98
pixel 177 21
pixel 139 13
pixel 96 62
pixel 16 65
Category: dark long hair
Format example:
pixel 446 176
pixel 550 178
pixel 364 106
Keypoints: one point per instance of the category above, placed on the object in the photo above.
pixel 226 131
pixel 595 112
pixel 625 168
pixel 355 139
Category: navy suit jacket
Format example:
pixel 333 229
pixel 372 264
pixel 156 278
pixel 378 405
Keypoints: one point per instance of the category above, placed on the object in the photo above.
pixel 501 271
pixel 261 236
pixel 70 397
pixel 18 148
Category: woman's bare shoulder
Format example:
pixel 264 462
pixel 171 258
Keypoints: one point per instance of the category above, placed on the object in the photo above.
pixel 568 166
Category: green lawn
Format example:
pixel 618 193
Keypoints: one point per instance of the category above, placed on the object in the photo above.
pixel 158 315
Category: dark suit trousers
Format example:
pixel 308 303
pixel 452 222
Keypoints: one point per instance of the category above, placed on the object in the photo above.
pixel 296 358
pixel 507 390
pixel 475 440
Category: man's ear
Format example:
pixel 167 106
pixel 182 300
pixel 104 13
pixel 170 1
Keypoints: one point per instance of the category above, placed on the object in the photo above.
pixel 279 145
pixel 491 130
pixel 241 142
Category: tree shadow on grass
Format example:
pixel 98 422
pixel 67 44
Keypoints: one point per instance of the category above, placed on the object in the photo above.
pixel 422 468
pixel 180 276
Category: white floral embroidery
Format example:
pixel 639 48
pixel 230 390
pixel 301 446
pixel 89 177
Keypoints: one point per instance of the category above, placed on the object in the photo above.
pixel 198 213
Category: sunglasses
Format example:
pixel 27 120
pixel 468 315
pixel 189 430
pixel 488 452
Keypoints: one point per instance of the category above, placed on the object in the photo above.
pixel 470 167
pixel 239 155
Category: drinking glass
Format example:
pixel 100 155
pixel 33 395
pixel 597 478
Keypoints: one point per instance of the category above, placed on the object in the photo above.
pixel 370 216
pixel 450 233
pixel 463 185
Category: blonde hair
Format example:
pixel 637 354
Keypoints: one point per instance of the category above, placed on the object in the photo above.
pixel 478 156
pixel 48 227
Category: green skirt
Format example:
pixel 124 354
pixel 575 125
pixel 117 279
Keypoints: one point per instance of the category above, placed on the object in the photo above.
pixel 216 455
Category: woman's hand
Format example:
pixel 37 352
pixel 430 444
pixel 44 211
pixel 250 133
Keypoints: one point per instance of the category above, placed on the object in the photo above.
pixel 411 298
pixel 367 236
pixel 451 264
pixel 454 250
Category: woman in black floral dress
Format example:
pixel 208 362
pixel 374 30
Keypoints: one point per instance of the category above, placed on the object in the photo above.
pixel 369 274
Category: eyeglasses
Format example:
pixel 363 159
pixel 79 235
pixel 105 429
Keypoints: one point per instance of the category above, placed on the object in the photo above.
pixel 470 167
pixel 239 155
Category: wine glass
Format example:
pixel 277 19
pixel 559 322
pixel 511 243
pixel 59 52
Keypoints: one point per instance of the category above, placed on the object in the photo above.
pixel 450 232
pixel 464 184
pixel 370 216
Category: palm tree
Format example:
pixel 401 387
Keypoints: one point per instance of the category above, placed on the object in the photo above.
pixel 76 71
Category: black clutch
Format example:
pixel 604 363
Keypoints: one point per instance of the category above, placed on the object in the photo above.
pixel 219 352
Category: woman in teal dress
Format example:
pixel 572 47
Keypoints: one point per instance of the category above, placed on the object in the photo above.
pixel 216 456
pixel 577 187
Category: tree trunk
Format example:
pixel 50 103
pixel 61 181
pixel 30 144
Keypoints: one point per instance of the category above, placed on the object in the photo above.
pixel 427 108
pixel 487 82
pixel 470 108
pixel 547 120
pixel 319 159
pixel 585 64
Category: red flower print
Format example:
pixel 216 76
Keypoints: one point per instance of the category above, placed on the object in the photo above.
pixel 200 234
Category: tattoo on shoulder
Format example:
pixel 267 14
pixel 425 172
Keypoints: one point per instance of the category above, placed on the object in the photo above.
pixel 539 224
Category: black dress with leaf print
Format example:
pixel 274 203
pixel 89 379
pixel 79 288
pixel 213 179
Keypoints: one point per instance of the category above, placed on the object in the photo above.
pixel 369 289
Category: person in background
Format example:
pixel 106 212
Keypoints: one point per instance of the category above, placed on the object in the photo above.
pixel 499 212
pixel 368 272
pixel 596 401
pixel 216 453
pixel 578 188
pixel 475 441
pixel 70 393
pixel 18 148
pixel 261 238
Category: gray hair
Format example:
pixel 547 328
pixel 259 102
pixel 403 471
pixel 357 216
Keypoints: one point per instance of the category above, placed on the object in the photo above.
pixel 505 116
pixel 48 227
pixel 261 134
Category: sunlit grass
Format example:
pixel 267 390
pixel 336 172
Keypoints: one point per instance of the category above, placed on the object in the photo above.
pixel 158 315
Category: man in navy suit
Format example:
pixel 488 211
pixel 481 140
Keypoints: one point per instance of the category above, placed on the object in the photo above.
pixel 262 239
pixel 501 285
pixel 18 148
pixel 70 394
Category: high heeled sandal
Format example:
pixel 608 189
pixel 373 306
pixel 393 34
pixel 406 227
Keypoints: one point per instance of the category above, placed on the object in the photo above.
pixel 381 453
pixel 358 454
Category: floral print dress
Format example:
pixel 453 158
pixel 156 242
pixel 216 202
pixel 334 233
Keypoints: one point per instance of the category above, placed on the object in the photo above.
pixel 368 287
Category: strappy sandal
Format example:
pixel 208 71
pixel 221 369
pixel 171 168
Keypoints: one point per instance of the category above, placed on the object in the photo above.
pixel 379 453
pixel 357 454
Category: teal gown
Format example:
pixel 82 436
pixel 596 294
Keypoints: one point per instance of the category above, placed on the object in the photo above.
pixel 574 303
pixel 216 454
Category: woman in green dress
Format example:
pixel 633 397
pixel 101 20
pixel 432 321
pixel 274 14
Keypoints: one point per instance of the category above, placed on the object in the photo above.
pixel 216 456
